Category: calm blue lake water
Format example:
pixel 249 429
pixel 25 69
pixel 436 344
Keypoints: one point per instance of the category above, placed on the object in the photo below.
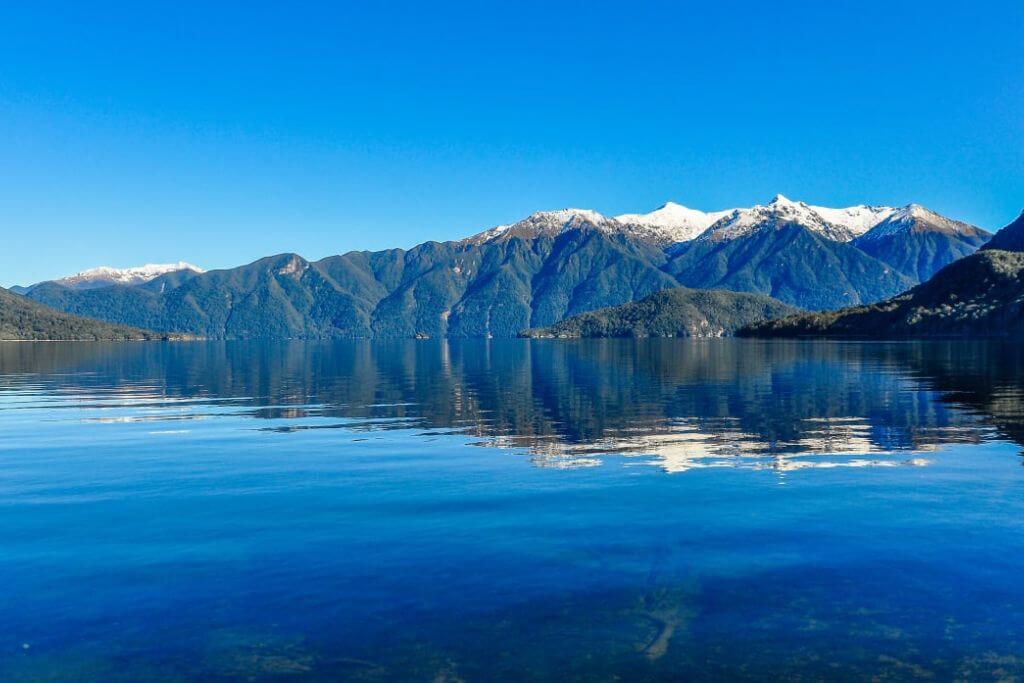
pixel 511 510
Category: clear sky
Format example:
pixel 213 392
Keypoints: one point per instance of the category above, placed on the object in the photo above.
pixel 140 132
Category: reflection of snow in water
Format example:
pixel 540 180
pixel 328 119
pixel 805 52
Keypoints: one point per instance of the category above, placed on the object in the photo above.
pixel 758 440
pixel 688 444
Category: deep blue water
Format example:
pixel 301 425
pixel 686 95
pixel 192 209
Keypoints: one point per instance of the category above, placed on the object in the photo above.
pixel 511 510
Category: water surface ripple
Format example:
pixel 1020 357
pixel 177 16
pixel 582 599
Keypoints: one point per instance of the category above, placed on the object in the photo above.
pixel 511 510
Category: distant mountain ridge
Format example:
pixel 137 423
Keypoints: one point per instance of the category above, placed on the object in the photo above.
pixel 980 295
pixel 916 240
pixel 104 276
pixel 844 225
pixel 674 223
pixel 531 273
pixel 791 263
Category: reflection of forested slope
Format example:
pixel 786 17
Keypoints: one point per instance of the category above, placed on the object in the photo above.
pixel 988 377
pixel 780 396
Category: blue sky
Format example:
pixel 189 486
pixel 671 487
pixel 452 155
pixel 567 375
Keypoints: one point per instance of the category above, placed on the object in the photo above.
pixel 140 132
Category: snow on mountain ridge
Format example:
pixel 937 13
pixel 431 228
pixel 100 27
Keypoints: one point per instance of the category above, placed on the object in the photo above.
pixel 547 223
pixel 668 224
pixel 136 275
pixel 858 219
pixel 674 222
pixel 780 211
pixel 914 217
pixel 840 225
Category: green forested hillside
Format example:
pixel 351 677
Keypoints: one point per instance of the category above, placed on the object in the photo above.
pixel 472 289
pixel 453 288
pixel 22 319
pixel 676 312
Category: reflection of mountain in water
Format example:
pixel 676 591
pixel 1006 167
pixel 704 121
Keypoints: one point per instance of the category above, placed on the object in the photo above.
pixel 681 404
pixel 691 445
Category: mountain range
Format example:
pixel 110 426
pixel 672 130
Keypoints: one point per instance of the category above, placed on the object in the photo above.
pixel 980 295
pixel 540 270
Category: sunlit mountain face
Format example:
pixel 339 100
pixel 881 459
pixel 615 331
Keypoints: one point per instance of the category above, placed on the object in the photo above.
pixel 673 405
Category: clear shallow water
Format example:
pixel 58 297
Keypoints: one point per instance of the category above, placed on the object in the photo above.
pixel 511 510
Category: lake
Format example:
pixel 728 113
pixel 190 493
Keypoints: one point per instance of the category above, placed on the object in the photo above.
pixel 511 510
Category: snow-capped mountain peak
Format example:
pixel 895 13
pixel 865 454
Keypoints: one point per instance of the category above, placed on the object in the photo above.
pixel 547 223
pixel 668 224
pixel 913 211
pixel 673 222
pixel 669 214
pixel 917 218
pixel 841 225
pixel 777 213
pixel 563 216
pixel 137 275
